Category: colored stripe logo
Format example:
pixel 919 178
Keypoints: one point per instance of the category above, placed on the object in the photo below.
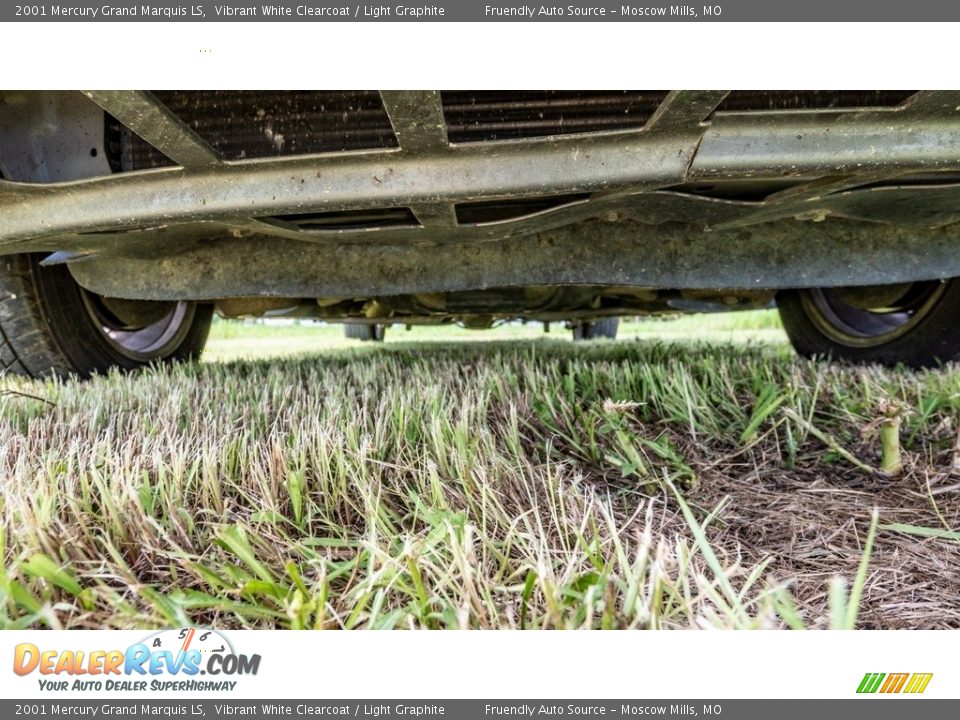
pixel 912 683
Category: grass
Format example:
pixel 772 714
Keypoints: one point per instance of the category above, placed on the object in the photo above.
pixel 507 483
pixel 250 340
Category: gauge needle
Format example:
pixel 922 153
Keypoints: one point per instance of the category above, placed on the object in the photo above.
pixel 186 644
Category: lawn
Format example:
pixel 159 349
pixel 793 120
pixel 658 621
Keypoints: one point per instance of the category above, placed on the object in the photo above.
pixel 250 340
pixel 693 474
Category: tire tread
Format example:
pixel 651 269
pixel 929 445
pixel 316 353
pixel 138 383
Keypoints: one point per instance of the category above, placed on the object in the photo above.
pixel 932 342
pixel 44 330
pixel 27 345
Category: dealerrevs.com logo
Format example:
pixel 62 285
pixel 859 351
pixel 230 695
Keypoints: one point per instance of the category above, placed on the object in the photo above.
pixel 180 660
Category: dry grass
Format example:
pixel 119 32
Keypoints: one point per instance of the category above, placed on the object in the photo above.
pixel 525 484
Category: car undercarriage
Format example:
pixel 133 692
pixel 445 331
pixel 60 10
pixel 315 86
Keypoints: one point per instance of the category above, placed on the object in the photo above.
pixel 479 206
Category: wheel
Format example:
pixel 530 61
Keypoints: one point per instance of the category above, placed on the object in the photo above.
pixel 917 324
pixel 365 332
pixel 603 328
pixel 49 325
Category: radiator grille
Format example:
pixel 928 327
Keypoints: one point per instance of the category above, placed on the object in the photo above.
pixel 477 116
pixel 766 100
pixel 260 124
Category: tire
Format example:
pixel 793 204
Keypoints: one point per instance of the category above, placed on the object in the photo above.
pixel 50 326
pixel 364 332
pixel 597 329
pixel 917 324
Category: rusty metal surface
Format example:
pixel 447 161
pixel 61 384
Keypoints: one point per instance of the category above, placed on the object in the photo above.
pixel 644 210
pixel 677 146
pixel 339 182
pixel 624 253
pixel 142 113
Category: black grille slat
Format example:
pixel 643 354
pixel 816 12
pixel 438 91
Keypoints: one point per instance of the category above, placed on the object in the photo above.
pixel 350 219
pixel 496 210
pixel 480 115
pixel 768 100
pixel 542 128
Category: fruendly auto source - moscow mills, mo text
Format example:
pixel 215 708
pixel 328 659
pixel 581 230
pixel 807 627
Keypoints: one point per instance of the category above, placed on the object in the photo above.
pixel 531 12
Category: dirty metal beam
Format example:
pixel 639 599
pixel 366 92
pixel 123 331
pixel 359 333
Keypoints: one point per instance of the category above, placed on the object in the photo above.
pixel 435 215
pixel 683 111
pixel 149 118
pixel 931 104
pixel 799 146
pixel 417 119
pixel 420 126
pixel 264 226
pixel 603 162
pixel 812 198
pixel 919 207
pixel 776 255
pixel 809 200
pixel 821 187
pixel 808 145
pixel 683 114
pixel 650 207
